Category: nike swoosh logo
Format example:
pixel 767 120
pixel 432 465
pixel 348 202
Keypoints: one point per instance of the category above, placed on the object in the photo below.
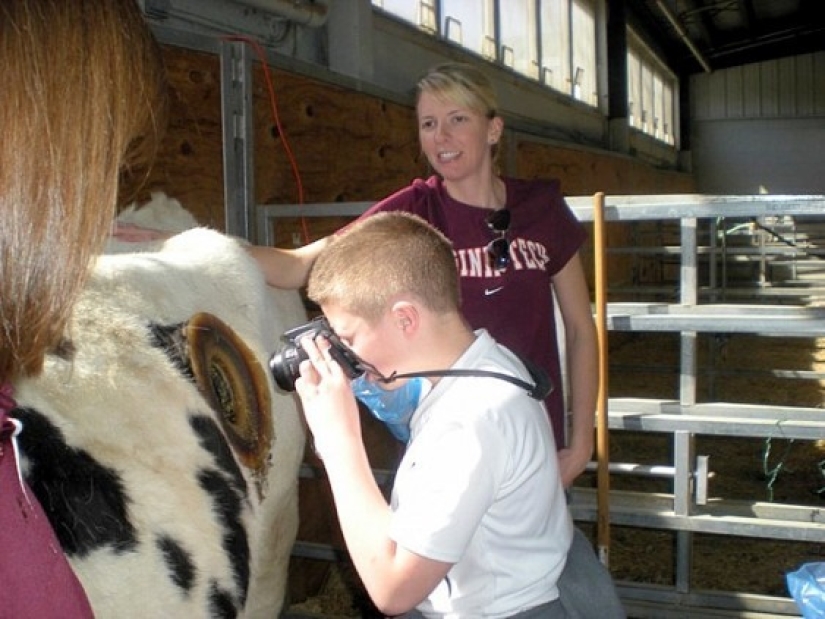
pixel 489 291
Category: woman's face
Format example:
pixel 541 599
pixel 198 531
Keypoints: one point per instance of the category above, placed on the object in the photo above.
pixel 456 141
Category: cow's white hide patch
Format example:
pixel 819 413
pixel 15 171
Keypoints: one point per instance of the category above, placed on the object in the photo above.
pixel 162 212
pixel 121 402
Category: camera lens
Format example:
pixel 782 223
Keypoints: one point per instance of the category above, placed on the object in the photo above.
pixel 284 366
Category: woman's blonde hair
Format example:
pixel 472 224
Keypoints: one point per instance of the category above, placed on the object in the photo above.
pixel 378 258
pixel 460 83
pixel 83 97
pixel 464 85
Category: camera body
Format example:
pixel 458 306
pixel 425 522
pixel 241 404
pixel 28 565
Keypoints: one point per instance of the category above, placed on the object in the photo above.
pixel 284 363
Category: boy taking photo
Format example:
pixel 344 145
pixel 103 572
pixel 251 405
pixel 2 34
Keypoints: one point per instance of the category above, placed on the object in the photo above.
pixel 477 524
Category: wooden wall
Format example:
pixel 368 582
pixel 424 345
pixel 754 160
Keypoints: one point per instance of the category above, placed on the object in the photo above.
pixel 347 146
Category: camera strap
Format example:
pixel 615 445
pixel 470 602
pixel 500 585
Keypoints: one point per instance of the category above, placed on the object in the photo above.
pixel 539 391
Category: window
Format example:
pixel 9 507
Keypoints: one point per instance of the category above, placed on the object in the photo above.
pixel 550 41
pixel 553 42
pixel 554 25
pixel 418 12
pixel 583 61
pixel 518 28
pixel 469 23
pixel 400 8
pixel 651 92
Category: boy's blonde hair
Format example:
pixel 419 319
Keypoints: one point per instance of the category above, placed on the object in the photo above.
pixel 380 257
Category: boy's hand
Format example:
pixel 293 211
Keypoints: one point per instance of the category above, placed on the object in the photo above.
pixel 329 405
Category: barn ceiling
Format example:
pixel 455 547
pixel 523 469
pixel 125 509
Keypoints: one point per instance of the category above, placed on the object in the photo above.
pixel 706 35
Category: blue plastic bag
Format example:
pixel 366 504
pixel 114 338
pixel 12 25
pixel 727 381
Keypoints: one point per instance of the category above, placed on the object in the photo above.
pixel 807 587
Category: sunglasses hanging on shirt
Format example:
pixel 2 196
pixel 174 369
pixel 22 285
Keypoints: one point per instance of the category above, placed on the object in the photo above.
pixel 498 250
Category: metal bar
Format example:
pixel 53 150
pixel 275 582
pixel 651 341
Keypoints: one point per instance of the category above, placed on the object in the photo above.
pixel 631 468
pixel 619 208
pixel 664 603
pixel 715 320
pixel 688 295
pixel 719 372
pixel 382 476
pixel 237 120
pixel 689 510
pixel 759 520
pixel 683 452
pixel 683 442
pixel 680 30
pixel 735 254
pixel 676 206
pixel 718 426
pixel 779 415
pixel 700 477
pixel 322 552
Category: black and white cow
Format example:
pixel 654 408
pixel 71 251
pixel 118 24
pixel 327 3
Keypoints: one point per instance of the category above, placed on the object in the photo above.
pixel 163 455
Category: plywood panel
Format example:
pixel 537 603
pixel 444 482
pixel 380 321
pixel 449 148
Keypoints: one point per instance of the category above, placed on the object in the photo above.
pixel 189 165
pixel 347 145
pixel 584 172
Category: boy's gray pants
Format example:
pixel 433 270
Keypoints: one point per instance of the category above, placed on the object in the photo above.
pixel 586 588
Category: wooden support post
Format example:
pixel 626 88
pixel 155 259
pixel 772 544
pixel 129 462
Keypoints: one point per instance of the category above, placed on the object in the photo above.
pixel 602 442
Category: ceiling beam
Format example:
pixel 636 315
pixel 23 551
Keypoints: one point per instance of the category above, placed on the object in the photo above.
pixel 683 35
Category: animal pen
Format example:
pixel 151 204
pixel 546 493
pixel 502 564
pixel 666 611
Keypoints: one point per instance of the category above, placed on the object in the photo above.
pixel 689 507
pixel 698 304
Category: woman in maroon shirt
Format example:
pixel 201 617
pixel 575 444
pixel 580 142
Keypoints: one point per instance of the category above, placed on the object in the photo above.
pixel 516 246
pixel 83 95
pixel 515 241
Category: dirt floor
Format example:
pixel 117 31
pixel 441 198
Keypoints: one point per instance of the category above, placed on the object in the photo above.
pixel 735 369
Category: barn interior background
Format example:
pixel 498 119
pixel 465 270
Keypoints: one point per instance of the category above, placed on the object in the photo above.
pixel 329 119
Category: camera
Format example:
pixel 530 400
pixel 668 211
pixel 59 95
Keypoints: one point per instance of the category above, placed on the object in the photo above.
pixel 284 363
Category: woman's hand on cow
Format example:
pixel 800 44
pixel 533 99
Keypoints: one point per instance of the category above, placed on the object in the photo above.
pixel 329 405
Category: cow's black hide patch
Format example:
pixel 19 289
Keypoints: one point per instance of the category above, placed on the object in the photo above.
pixel 228 490
pixel 169 339
pixel 227 505
pixel 84 500
pixel 213 440
pixel 181 567
pixel 220 604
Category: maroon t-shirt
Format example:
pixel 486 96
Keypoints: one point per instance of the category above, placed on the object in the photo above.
pixel 515 305
pixel 36 580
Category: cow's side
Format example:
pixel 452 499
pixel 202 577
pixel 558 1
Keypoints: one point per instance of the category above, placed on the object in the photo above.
pixel 156 441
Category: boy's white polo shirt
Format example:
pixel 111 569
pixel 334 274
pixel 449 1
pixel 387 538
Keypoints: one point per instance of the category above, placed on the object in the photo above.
pixel 479 487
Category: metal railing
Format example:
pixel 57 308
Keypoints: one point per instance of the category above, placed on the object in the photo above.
pixel 686 510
